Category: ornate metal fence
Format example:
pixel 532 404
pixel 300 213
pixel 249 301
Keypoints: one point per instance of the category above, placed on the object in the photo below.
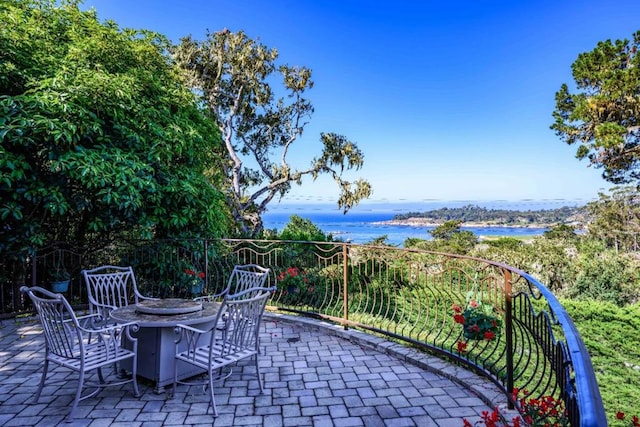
pixel 494 319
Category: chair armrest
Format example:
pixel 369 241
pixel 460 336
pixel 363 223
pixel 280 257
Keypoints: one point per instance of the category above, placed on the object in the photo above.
pixel 110 328
pixel 207 298
pixel 220 294
pixel 103 310
pixel 251 292
pixel 190 335
pixel 192 329
pixel 87 317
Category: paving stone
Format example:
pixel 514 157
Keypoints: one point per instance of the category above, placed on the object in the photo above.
pixel 327 376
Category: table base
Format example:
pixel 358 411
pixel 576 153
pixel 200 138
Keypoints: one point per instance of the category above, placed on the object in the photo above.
pixel 156 356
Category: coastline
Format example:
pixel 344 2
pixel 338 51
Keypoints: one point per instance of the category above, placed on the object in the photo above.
pixel 422 222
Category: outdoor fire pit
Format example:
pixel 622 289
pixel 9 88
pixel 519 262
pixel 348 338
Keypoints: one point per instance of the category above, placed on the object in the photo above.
pixel 168 306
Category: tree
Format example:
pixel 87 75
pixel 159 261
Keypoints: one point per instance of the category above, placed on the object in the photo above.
pixel 561 231
pixel 448 237
pixel 605 275
pixel 615 219
pixel 99 137
pixel 299 228
pixel 603 116
pixel 234 75
pixel 446 230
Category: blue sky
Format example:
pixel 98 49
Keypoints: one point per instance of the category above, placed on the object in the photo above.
pixel 448 100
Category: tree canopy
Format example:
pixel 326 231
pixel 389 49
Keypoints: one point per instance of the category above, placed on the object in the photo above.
pixel 235 74
pixel 603 116
pixel 299 228
pixel 615 219
pixel 98 134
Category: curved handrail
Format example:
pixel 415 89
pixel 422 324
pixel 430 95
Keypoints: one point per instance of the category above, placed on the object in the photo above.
pixel 587 392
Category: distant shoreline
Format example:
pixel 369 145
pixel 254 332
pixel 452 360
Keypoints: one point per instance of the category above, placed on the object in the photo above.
pixel 422 222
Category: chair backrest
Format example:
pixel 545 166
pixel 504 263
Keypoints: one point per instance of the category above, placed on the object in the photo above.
pixel 110 287
pixel 242 325
pixel 60 326
pixel 244 277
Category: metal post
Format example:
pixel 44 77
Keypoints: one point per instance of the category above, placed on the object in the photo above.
pixel 509 331
pixel 206 267
pixel 345 299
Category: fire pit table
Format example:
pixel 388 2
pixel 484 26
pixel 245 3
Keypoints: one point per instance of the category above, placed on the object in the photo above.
pixel 156 336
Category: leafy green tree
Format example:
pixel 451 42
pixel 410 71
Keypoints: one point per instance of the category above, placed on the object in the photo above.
pixel 448 237
pixel 550 260
pixel 561 231
pixel 446 230
pixel 303 229
pixel 235 76
pixel 615 219
pixel 605 275
pixel 603 115
pixel 99 137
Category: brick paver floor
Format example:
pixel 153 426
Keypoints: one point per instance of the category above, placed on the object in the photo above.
pixel 315 374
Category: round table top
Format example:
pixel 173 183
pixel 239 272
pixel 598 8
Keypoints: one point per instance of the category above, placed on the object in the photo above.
pixel 168 306
pixel 130 313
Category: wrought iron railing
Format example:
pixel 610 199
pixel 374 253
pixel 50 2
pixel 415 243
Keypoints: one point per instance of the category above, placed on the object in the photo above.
pixel 406 295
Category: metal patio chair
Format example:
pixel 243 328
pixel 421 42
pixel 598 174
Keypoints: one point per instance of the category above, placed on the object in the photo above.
pixel 72 346
pixel 238 340
pixel 111 287
pixel 242 277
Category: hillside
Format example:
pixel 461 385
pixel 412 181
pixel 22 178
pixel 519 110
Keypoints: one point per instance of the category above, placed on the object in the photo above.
pixel 476 215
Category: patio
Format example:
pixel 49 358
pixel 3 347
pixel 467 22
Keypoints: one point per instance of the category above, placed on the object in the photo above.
pixel 315 374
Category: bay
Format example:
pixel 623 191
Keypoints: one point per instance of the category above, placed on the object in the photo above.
pixel 364 224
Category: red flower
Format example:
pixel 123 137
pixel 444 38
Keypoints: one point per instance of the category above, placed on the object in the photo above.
pixel 489 335
pixel 636 421
pixel 473 304
pixel 620 415
pixel 190 272
pixel 458 318
pixel 201 275
pixel 462 346
pixel 457 308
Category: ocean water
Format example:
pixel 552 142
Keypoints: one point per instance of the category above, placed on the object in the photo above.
pixel 364 224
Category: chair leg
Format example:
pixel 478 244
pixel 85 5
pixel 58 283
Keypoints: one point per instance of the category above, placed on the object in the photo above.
pixel 258 374
pixel 213 399
pixel 134 376
pixel 175 376
pixel 78 395
pixel 45 368
pixel 100 376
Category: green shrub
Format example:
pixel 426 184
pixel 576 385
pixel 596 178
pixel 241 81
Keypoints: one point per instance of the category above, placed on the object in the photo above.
pixel 611 336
